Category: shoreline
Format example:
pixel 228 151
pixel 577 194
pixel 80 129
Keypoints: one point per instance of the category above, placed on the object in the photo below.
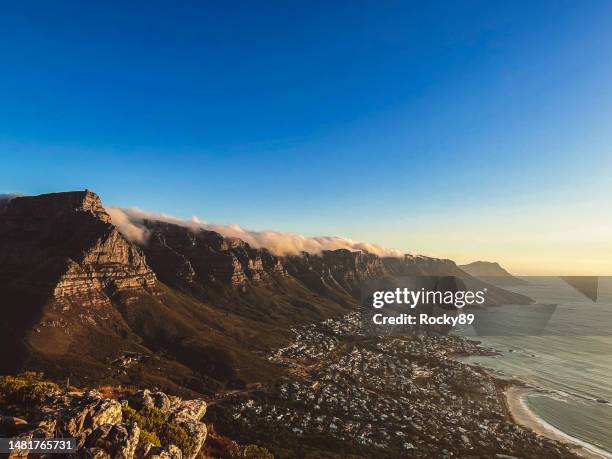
pixel 522 415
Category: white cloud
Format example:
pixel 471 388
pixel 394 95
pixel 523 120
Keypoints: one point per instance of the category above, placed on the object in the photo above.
pixel 130 223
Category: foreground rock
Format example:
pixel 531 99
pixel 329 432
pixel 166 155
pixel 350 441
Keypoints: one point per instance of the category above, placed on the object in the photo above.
pixel 185 413
pixel 103 430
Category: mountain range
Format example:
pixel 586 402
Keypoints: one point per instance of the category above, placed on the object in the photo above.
pixel 197 310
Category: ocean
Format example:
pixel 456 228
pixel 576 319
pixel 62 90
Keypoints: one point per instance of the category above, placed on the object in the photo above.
pixel 571 360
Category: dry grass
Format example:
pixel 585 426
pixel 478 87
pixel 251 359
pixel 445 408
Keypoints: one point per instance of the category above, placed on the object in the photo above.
pixel 116 392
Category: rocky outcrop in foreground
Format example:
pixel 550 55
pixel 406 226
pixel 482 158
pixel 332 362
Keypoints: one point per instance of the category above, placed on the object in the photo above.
pixel 109 428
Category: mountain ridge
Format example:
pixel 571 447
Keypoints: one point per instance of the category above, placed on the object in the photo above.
pixel 492 272
pixel 197 308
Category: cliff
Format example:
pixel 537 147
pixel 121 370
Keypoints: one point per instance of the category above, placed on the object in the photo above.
pixel 205 264
pixel 64 245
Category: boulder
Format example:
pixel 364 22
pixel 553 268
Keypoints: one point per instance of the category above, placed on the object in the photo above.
pixel 142 399
pixel 10 426
pixel 87 411
pixel 189 410
pixel 45 428
pixel 125 440
pixel 19 453
pixel 143 450
pixel 169 452
pixel 161 401
pixel 147 399
pixel 98 436
pixel 120 440
pixel 97 424
pixel 95 453
pixel 197 431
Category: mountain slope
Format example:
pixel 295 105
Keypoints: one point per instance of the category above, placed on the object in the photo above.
pixel 256 283
pixel 492 272
pixel 76 296
pixel 186 311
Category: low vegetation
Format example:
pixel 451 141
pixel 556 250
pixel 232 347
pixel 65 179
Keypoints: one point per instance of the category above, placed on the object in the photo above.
pixel 256 452
pixel 158 429
pixel 220 446
pixel 25 393
pixel 27 389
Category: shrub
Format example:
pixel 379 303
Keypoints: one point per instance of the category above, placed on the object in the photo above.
pixel 173 434
pixel 152 419
pixel 157 422
pixel 130 415
pixel 28 388
pixel 147 437
pixel 256 452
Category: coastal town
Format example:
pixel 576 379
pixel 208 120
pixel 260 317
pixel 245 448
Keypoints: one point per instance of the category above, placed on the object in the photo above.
pixel 391 397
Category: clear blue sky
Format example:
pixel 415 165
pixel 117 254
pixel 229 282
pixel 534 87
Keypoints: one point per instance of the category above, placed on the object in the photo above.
pixel 381 121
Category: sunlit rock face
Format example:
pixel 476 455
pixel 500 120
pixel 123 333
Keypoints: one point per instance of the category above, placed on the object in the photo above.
pixel 66 276
pixel 65 242
pixel 184 256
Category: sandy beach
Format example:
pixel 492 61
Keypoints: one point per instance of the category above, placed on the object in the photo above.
pixel 523 416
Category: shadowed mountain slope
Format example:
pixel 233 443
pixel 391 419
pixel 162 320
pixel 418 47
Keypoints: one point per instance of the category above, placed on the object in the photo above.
pixel 492 272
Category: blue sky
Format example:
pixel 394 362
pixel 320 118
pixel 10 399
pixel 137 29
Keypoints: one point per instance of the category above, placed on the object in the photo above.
pixel 415 125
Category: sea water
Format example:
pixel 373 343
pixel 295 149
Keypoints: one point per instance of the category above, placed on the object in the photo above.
pixel 571 360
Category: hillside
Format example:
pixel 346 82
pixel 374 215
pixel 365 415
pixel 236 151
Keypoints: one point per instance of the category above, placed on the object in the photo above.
pixel 188 311
pixel 492 272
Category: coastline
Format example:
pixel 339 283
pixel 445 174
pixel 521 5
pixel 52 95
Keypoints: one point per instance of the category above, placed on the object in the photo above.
pixel 523 416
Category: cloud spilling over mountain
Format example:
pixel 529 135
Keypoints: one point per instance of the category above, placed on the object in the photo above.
pixel 130 223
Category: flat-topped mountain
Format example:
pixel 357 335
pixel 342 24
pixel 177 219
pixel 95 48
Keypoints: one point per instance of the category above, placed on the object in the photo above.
pixel 54 205
pixel 65 242
pixel 187 310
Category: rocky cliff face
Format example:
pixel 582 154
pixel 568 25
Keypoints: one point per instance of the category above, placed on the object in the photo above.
pixel 65 243
pixel 206 257
pixel 349 270
pixel 185 256
pixel 204 261
pixel 65 272
pixel 57 205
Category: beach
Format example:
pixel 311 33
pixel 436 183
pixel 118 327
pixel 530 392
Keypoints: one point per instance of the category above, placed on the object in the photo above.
pixel 523 416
